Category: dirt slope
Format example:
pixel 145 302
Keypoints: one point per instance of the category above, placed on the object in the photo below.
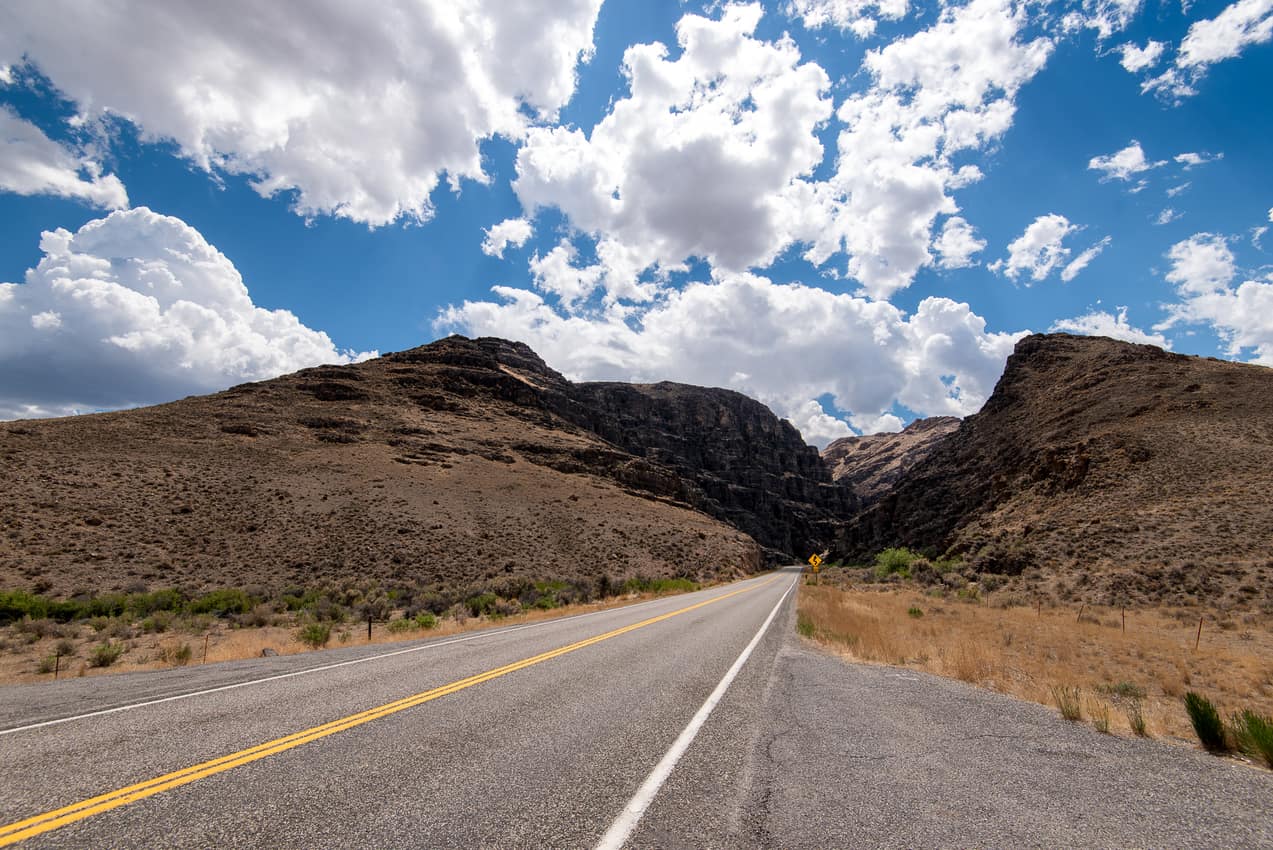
pixel 441 466
pixel 1100 470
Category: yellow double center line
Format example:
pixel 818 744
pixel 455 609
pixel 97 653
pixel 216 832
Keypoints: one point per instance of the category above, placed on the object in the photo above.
pixel 21 830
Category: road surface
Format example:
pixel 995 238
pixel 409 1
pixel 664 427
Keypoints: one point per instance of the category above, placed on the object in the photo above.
pixel 692 721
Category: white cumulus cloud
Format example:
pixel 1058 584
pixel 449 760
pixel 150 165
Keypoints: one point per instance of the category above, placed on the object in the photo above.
pixel 786 344
pixel 1038 251
pixel 704 158
pixel 1124 164
pixel 33 164
pixel 957 244
pixel 1136 59
pixel 857 16
pixel 351 111
pixel 510 231
pixel 1103 323
pixel 137 308
pixel 1203 270
pixel 1213 40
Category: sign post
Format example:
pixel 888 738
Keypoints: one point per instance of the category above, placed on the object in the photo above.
pixel 815 561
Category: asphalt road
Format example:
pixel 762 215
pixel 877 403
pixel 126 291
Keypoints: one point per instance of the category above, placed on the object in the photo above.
pixel 542 737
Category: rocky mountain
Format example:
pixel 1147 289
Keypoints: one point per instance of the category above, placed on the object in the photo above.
pixel 1100 470
pixel 456 463
pixel 872 464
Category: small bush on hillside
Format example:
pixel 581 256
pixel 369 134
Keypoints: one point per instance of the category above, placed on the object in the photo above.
pixel 1206 722
pixel 1136 719
pixel 894 562
pixel 425 620
pixel 47 664
pixel 482 603
pixel 105 654
pixel 1069 701
pixel 221 603
pixel 315 635
pixel 178 656
pixel 1254 735
pixel 399 626
pixel 915 612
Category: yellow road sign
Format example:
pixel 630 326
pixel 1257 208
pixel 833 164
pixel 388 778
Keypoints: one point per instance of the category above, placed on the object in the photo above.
pixel 815 560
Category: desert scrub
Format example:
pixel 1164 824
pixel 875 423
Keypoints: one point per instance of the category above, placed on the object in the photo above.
pixel 915 612
pixel 401 625
pixel 315 635
pixel 105 654
pixel 1206 723
pixel 177 656
pixel 425 620
pixel 1069 701
pixel 894 562
pixel 1136 719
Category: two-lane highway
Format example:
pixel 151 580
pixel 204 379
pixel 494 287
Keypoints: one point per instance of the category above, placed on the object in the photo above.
pixel 694 721
pixel 519 737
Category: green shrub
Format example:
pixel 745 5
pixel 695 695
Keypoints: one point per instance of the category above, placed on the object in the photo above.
pixel 399 626
pixel 315 635
pixel 545 603
pixel 915 612
pixel 1206 722
pixel 158 622
pixel 1070 701
pixel 221 603
pixel 1254 735
pixel 482 603
pixel 425 620
pixel 105 654
pixel 16 604
pixel 46 664
pixel 894 562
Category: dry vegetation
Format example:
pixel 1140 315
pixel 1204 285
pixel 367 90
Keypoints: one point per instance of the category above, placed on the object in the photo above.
pixel 27 649
pixel 1036 654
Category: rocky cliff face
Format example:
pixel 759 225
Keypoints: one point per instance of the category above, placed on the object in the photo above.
pixel 1102 470
pixel 871 465
pixel 713 449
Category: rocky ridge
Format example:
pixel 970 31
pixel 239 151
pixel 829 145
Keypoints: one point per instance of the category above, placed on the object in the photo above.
pixel 871 465
pixel 1100 470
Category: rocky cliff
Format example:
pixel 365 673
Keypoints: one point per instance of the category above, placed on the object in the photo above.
pixel 871 465
pixel 1100 470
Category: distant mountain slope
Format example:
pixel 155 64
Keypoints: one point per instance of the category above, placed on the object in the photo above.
pixel 870 465
pixel 1100 470
pixel 452 464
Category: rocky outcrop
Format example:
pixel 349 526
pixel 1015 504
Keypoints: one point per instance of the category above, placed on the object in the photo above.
pixel 1099 469
pixel 713 449
pixel 871 465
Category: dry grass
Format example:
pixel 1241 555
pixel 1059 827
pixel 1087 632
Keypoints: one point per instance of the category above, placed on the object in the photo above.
pixel 157 652
pixel 1027 653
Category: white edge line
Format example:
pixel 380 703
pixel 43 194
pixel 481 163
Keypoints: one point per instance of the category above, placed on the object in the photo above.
pixel 484 633
pixel 621 829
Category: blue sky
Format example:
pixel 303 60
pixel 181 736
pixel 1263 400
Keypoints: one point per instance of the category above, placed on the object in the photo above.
pixel 850 210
